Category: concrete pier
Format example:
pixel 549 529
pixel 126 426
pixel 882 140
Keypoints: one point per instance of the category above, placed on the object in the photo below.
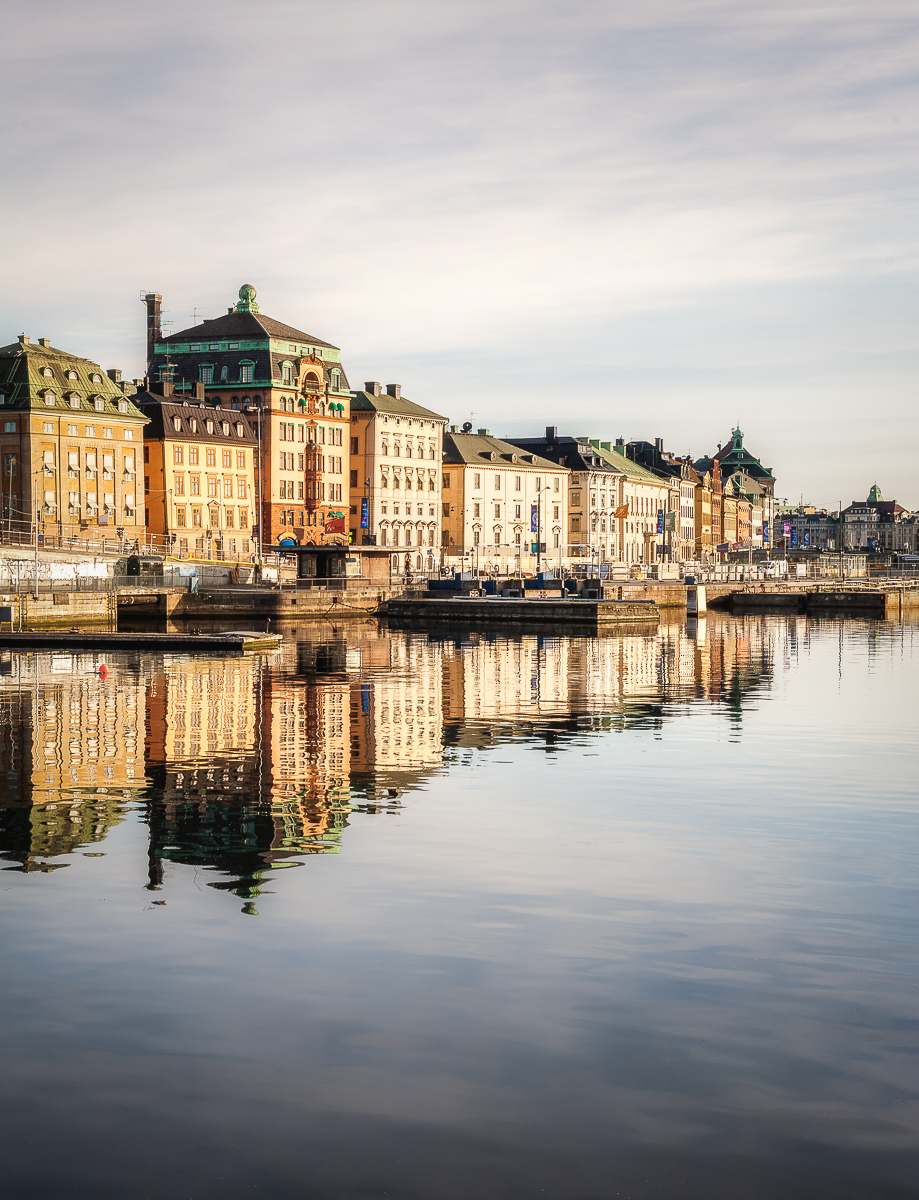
pixel 582 614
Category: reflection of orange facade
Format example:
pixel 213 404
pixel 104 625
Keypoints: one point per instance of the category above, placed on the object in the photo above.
pixel 69 749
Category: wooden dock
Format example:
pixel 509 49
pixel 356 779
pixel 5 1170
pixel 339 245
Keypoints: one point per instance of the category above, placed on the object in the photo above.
pixel 492 610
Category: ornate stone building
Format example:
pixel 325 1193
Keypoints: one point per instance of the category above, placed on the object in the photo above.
pixel 294 387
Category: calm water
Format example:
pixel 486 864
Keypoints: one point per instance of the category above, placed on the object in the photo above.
pixel 394 914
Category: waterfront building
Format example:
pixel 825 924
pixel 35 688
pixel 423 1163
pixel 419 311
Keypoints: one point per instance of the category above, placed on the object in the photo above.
pixel 805 527
pixel 735 457
pixel 703 505
pixel 871 524
pixel 684 480
pixel 503 507
pixel 395 475
pixel 294 386
pixel 70 442
pixel 200 474
pixel 613 503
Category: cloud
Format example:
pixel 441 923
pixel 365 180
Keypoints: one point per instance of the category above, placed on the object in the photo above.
pixel 474 192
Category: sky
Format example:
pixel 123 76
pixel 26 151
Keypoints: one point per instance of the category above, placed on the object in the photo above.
pixel 637 221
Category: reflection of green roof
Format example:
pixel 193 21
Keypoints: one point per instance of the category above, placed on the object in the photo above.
pixel 627 466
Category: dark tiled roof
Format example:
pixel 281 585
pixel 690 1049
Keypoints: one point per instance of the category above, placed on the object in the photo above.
pixel 237 326
pixel 477 448
pixel 366 401
pixel 163 410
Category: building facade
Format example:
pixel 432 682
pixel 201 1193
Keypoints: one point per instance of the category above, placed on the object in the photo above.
pixel 735 457
pixel 502 505
pixel 871 524
pixel 396 455
pixel 70 444
pixel 294 386
pixel 613 502
pixel 200 475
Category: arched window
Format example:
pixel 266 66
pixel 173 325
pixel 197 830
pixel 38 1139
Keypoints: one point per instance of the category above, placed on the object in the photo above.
pixel 246 370
pixel 287 373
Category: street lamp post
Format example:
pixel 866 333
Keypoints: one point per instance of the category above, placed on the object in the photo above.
pixel 257 409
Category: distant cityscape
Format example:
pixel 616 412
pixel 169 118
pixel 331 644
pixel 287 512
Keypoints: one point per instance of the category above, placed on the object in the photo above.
pixel 246 435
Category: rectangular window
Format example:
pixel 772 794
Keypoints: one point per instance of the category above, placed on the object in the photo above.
pixel 196 517
pixel 242 492
pixel 210 455
pixel 244 518
pixel 476 509
pixel 106 431
pixel 240 460
pixel 228 516
pixel 497 510
pixel 354 449
pixel 228 489
pixel 245 372
pixel 180 517
pixel 147 483
pixel 147 454
pixel 90 431
pixel 180 485
pixel 300 490
pixel 49 427
pixel 517 483
pixel 300 462
pixel 178 454
pixel 497 483
pixel 227 458
pixel 556 487
pixel 195 488
pixel 211 486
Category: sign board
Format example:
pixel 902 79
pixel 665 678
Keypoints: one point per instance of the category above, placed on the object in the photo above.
pixel 365 515
pixel 6 614
pixel 534 518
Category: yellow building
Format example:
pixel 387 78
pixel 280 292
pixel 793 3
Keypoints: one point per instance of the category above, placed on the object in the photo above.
pixel 200 472
pixel 70 442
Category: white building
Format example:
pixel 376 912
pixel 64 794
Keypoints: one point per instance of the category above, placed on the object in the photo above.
pixel 502 506
pixel 395 481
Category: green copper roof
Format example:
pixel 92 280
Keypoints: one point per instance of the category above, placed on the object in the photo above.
pixel 33 373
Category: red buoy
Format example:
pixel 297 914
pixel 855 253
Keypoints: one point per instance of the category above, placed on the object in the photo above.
pixel 103 672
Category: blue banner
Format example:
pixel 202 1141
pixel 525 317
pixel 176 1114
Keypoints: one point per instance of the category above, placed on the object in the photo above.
pixel 534 518
pixel 765 532
pixel 660 520
pixel 364 514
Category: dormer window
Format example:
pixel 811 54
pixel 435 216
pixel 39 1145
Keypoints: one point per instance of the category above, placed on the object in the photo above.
pixel 287 372
pixel 225 426
pixel 97 378
pixel 74 400
pixel 239 431
pixel 246 371
pixel 49 399
pixel 194 425
pixel 177 424
pixel 46 371
pixel 100 404
pixel 209 426
pixel 207 375
pixel 122 406
pixel 71 374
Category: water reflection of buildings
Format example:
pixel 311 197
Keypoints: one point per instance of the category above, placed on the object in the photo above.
pixel 249 764
pixel 70 755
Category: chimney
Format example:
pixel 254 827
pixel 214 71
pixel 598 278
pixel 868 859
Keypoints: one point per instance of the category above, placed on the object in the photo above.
pixel 372 388
pixel 114 374
pixel 24 339
pixel 154 303
pixel 197 391
pixel 395 390
pixel 46 342
pixel 483 433
pixel 659 445
pixel 551 433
